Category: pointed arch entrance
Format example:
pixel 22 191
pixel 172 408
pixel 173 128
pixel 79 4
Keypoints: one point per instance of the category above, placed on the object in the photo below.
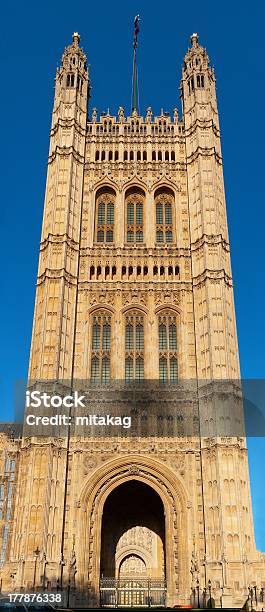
pixel 133 533
pixel 149 481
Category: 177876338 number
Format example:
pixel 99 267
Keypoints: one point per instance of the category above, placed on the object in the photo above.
pixel 35 597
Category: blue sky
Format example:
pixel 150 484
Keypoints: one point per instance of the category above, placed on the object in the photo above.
pixel 32 39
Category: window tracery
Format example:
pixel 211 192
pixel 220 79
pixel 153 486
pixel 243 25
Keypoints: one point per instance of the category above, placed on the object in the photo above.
pixel 164 213
pixel 105 217
pixel 167 346
pixel 101 347
pixel 134 346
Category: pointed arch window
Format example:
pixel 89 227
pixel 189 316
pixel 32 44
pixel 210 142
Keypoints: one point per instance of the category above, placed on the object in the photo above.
pixel 164 213
pixel 105 217
pixel 70 80
pixel 134 346
pixel 200 80
pixel 101 347
pixel 134 218
pixel 167 346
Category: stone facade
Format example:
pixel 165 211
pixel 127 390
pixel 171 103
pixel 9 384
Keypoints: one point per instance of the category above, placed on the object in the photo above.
pixel 134 283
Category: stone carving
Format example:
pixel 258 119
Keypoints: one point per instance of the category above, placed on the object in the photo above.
pixel 121 114
pixel 169 297
pixel 176 115
pixel 141 536
pixel 101 297
pixel 89 464
pixel 134 297
pixel 149 114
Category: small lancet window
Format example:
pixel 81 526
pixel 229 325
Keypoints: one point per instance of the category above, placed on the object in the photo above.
pixel 70 80
pixel 79 83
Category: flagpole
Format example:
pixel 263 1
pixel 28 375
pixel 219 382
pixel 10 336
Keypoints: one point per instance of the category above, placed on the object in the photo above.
pixel 135 108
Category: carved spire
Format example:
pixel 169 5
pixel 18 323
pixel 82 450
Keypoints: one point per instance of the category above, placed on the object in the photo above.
pixel 72 78
pixel 196 58
pixel 73 57
pixel 198 80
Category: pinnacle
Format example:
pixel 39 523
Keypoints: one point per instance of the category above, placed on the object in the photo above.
pixel 194 39
pixel 76 38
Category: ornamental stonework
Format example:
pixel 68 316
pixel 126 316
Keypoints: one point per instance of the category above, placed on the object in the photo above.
pixel 134 288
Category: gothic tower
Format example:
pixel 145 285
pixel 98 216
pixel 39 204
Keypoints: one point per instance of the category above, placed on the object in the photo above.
pixel 134 284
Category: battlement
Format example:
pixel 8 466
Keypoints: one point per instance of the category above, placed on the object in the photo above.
pixel 135 125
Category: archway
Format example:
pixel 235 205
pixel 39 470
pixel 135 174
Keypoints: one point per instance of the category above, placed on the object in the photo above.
pixel 133 532
pixel 132 565
pixel 170 489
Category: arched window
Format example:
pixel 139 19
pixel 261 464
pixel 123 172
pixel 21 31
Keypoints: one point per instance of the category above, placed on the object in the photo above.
pixel 70 80
pixel 134 216
pixel 101 347
pixel 105 216
pixel 134 346
pixel 79 83
pixel 164 225
pixel 167 346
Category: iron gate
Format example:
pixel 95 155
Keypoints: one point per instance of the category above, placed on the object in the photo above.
pixel 132 592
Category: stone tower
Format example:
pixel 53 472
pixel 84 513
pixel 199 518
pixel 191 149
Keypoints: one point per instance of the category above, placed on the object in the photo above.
pixel 134 284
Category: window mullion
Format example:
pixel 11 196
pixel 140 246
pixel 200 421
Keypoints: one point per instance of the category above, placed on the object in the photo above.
pixel 105 222
pixel 134 346
pixel 101 350
pixel 168 345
